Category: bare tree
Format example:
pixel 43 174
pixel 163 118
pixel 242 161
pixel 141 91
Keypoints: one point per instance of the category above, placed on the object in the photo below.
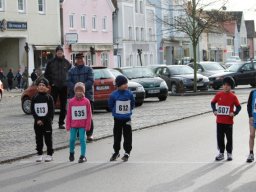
pixel 194 18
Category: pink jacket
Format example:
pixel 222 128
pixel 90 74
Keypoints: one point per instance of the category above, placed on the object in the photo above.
pixel 79 114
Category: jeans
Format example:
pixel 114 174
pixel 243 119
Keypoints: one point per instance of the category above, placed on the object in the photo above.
pixel 72 141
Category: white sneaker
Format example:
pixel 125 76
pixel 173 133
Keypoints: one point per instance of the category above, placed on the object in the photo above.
pixel 39 158
pixel 48 158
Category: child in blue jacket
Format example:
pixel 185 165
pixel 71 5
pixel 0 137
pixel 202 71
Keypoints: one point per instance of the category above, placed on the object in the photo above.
pixel 121 103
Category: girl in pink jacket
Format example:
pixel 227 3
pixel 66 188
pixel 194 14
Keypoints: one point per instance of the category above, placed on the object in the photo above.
pixel 79 117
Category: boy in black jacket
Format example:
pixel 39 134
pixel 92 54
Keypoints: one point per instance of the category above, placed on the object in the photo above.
pixel 42 108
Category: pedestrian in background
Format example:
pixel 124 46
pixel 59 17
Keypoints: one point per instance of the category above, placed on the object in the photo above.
pixel 79 117
pixel 18 77
pixel 82 73
pixel 226 101
pixel 33 75
pixel 42 109
pixel 57 74
pixel 251 109
pixel 10 77
pixel 121 103
pixel 25 78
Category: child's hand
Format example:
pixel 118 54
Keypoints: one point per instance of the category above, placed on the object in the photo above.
pixel 40 123
pixel 231 114
pixel 215 113
pixel 68 135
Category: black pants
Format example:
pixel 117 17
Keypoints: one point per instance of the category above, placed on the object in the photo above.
pixel 222 131
pixel 43 134
pixel 10 82
pixel 62 94
pixel 122 127
pixel 90 133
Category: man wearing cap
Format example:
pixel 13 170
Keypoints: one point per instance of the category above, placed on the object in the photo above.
pixel 57 74
pixel 84 74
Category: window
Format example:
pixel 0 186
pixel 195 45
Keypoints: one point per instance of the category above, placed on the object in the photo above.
pixel 136 6
pixel 141 7
pixel 1 5
pixel 21 5
pixel 104 23
pixel 142 34
pixel 150 37
pixel 88 59
pixel 130 33
pixel 41 6
pixel 94 23
pixel 137 34
pixel 229 42
pixel 104 59
pixel 83 22
pixel 71 21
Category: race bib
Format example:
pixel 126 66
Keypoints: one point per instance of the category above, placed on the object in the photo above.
pixel 223 110
pixel 123 107
pixel 79 113
pixel 41 109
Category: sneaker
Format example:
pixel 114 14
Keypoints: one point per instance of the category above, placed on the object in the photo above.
pixel 125 157
pixel 89 138
pixel 114 156
pixel 39 158
pixel 61 127
pixel 229 158
pixel 219 157
pixel 82 159
pixel 71 157
pixel 48 158
pixel 250 158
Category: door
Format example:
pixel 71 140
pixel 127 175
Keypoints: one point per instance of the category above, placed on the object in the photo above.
pixel 245 75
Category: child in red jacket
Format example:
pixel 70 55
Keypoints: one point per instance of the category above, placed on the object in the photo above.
pixel 79 116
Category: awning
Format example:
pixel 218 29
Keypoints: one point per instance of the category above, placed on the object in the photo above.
pixel 44 47
pixel 86 47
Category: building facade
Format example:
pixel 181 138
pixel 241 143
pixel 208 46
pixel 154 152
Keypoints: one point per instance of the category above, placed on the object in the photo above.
pixel 134 33
pixel 87 28
pixel 27 38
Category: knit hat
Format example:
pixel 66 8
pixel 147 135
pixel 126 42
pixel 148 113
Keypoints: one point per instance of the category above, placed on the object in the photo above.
pixel 79 55
pixel 44 81
pixel 59 48
pixel 230 81
pixel 121 80
pixel 79 85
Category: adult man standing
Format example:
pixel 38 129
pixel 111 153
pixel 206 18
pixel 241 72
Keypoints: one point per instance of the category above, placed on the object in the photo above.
pixel 84 74
pixel 57 74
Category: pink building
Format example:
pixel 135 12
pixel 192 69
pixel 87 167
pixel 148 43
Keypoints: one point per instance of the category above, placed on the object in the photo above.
pixel 88 28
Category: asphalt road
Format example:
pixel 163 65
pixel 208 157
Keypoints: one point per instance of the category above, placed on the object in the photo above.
pixel 173 157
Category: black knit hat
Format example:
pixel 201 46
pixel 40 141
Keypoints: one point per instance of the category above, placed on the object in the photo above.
pixel 121 80
pixel 59 48
pixel 44 81
pixel 79 55
pixel 230 81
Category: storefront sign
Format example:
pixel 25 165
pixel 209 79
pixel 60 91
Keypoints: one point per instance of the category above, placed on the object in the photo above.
pixel 13 25
pixel 71 38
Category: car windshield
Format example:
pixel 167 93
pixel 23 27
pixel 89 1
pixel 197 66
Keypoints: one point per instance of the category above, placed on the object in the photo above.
pixel 234 67
pixel 102 74
pixel 115 72
pixel 212 66
pixel 138 72
pixel 180 70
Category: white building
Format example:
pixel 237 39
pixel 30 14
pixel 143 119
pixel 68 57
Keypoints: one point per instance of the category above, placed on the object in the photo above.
pixel 35 22
pixel 134 29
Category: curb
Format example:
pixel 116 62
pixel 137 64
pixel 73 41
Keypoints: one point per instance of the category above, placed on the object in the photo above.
pixel 110 135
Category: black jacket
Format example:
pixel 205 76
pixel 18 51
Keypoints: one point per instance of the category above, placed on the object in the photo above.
pixel 57 72
pixel 249 104
pixel 42 107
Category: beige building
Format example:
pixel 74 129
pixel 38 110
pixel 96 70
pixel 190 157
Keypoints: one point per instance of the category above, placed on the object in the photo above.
pixel 35 23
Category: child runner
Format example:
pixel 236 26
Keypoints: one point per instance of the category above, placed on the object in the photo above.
pixel 121 103
pixel 79 117
pixel 42 108
pixel 225 100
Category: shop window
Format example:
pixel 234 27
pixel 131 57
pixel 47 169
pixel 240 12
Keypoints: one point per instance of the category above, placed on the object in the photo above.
pixel 105 59
pixel 42 57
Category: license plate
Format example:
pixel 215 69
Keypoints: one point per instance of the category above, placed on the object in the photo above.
pixel 154 91
pixel 200 84
pixel 101 88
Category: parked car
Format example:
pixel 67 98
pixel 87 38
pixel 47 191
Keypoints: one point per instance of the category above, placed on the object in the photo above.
pixel 243 74
pixel 1 90
pixel 103 87
pixel 232 60
pixel 154 86
pixel 136 88
pixel 208 68
pixel 180 78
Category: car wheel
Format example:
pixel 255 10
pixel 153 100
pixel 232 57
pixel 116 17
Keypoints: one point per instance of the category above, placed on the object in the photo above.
pixel 253 84
pixel 26 104
pixel 174 88
pixel 162 98
pixel 138 104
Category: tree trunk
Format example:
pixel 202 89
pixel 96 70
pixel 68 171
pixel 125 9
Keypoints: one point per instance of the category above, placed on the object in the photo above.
pixel 195 66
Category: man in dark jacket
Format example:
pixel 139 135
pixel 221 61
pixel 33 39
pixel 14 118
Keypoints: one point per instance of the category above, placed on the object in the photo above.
pixel 84 74
pixel 57 73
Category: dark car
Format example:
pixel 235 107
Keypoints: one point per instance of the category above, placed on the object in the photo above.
pixel 243 74
pixel 180 78
pixel 136 88
pixel 208 68
pixel 154 86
